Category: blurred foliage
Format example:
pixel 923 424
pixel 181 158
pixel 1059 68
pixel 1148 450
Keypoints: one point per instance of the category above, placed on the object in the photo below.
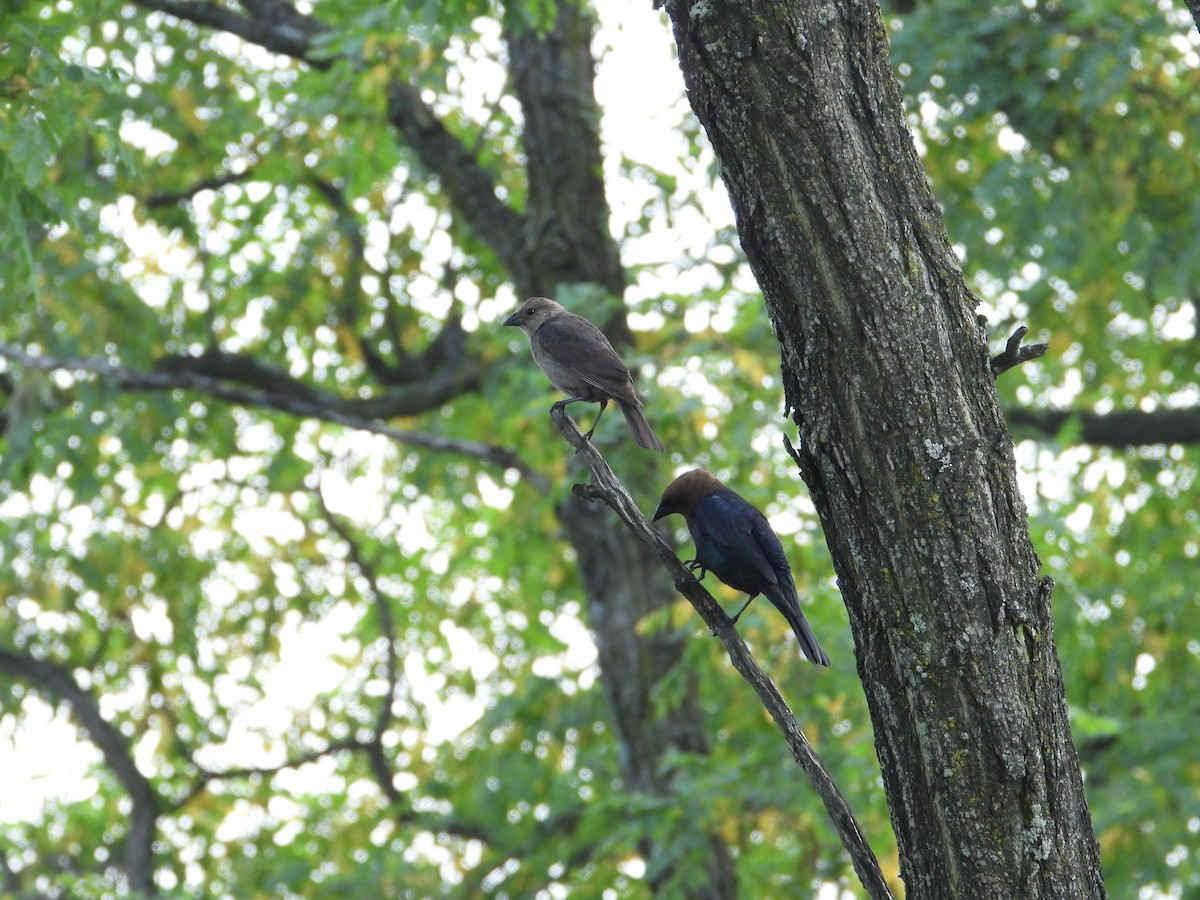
pixel 178 554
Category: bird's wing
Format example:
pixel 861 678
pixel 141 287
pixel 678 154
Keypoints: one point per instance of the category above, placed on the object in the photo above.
pixel 772 549
pixel 734 527
pixel 582 348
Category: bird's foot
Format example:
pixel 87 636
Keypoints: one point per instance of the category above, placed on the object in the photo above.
pixel 745 606
pixel 694 565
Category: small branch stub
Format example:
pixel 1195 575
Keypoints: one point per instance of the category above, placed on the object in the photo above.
pixel 1014 354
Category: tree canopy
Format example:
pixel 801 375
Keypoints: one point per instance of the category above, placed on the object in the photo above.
pixel 288 555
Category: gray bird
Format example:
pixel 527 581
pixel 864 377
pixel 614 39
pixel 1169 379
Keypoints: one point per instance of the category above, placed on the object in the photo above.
pixel 578 359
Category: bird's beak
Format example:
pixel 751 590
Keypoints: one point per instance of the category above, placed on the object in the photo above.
pixel 515 319
pixel 659 513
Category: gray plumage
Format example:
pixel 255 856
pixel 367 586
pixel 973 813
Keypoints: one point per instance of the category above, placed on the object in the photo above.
pixel 579 360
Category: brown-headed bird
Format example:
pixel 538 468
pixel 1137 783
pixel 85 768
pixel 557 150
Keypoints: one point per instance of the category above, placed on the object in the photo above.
pixel 735 542
pixel 579 361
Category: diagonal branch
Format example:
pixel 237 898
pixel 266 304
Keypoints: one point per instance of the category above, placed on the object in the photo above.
pixel 56 680
pixel 606 487
pixel 128 379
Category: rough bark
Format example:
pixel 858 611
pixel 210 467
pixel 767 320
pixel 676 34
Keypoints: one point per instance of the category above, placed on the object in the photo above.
pixel 1194 8
pixel 903 446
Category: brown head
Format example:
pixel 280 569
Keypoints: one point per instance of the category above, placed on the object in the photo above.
pixel 533 314
pixel 682 494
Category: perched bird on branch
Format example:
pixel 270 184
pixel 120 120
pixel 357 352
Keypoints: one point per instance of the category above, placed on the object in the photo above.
pixel 579 361
pixel 735 542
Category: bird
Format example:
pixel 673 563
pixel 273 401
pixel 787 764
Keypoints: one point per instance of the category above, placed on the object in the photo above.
pixel 579 360
pixel 735 542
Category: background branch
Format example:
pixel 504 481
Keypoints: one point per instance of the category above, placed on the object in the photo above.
pixel 470 187
pixel 380 766
pixel 56 680
pixel 303 406
pixel 159 201
pixel 207 776
pixel 404 817
pixel 1128 428
pixel 606 487
pixel 288 35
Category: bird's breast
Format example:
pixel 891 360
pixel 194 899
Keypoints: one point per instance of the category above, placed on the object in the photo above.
pixel 556 369
pixel 729 570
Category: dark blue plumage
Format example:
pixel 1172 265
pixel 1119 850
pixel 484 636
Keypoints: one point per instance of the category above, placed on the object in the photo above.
pixel 735 542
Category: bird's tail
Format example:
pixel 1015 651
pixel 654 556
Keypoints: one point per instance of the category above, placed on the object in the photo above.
pixel 788 604
pixel 638 426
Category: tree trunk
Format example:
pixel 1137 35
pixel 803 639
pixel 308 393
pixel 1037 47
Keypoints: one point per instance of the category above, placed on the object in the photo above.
pixel 903 446
pixel 568 241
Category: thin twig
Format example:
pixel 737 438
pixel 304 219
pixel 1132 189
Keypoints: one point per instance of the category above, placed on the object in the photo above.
pixel 387 625
pixel 158 201
pixel 404 817
pixel 606 487
pixel 387 622
pixel 207 776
